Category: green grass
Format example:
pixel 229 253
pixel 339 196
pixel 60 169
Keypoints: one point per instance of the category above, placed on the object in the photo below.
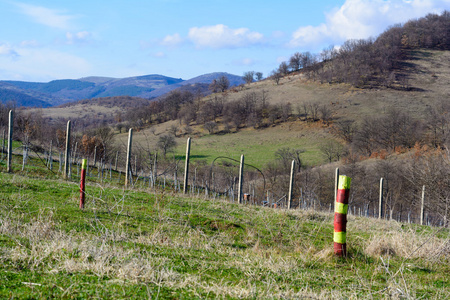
pixel 136 244
pixel 258 146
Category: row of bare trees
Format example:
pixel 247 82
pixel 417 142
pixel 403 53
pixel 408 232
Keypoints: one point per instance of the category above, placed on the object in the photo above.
pixel 396 131
pixel 252 109
pixel 372 62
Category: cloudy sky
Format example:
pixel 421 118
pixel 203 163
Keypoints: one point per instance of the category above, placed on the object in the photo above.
pixel 43 40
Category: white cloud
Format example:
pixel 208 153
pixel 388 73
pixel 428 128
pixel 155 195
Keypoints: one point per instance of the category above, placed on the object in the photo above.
pixel 159 55
pixel 29 43
pixel 82 37
pixel 360 19
pixel 46 16
pixel 221 36
pixel 7 50
pixel 244 62
pixel 44 64
pixel 172 40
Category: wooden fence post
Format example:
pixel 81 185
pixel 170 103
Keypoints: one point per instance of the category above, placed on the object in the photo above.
pixel 10 138
pixel 241 175
pixel 66 159
pixel 186 167
pixel 83 183
pixel 291 184
pixel 340 216
pixel 380 203
pixel 422 206
pixel 127 168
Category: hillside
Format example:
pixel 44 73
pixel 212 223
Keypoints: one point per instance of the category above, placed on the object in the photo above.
pixel 428 77
pixel 205 79
pixel 58 92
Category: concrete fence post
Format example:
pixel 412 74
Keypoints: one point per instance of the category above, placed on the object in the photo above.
pixel 380 203
pixel 241 175
pixel 10 138
pixel 291 184
pixel 127 168
pixel 422 206
pixel 186 167
pixel 83 183
pixel 66 158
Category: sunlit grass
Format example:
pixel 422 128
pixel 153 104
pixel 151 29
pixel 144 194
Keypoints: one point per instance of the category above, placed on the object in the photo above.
pixel 131 243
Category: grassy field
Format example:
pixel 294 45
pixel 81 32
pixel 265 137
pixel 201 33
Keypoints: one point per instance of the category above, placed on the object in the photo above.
pixel 258 146
pixel 136 244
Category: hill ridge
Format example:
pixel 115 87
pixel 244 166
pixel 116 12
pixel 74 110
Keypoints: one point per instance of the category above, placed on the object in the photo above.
pixel 60 91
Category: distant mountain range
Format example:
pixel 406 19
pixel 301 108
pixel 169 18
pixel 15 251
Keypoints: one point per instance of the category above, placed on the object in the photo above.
pixel 57 92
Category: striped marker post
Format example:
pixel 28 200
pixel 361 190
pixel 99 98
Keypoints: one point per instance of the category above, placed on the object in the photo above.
pixel 83 183
pixel 340 216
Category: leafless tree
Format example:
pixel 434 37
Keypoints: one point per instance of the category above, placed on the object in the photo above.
pixel 332 150
pixel 248 76
pixel 283 68
pixel 295 62
pixel 166 143
pixel 259 76
pixel 210 126
pixel 276 75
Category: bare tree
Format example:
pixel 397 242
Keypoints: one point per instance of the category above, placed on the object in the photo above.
pixel 325 113
pixel 223 84
pixel 286 155
pixel 295 62
pixel 173 129
pixel 276 75
pixel 344 129
pixel 283 68
pixel 314 110
pixel 332 150
pixel 248 76
pixel 259 76
pixel 166 143
pixel 210 126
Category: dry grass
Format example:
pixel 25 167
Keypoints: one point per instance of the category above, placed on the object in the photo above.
pixel 213 249
pixel 409 244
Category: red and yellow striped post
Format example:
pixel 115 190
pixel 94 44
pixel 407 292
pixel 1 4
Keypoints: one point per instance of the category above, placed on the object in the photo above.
pixel 340 216
pixel 83 183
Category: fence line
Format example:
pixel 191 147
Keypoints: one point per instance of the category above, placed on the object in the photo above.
pixel 220 182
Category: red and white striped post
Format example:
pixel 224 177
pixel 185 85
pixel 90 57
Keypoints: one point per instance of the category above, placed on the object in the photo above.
pixel 340 216
pixel 83 183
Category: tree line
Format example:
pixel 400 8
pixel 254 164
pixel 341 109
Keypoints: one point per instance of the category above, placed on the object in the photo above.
pixel 372 62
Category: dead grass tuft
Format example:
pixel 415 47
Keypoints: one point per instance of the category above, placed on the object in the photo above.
pixel 408 244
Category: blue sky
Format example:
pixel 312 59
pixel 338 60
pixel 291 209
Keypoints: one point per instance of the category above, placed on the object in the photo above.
pixel 47 40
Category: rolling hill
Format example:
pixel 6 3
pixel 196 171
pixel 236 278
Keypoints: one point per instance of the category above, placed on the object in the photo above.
pixel 57 92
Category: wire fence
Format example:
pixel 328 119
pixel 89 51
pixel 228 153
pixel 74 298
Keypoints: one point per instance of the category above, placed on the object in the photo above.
pixel 218 180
